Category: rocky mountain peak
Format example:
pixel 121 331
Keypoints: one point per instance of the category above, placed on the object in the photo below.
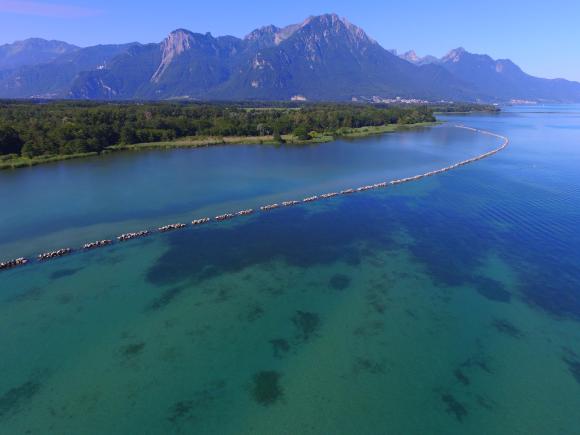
pixel 414 58
pixel 263 37
pixel 177 42
pixel 263 32
pixel 411 56
pixel 455 55
pixel 331 25
pixel 325 26
pixel 506 66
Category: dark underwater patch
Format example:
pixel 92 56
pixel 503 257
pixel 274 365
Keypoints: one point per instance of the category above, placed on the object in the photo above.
pixel 306 324
pixel 454 407
pixel 451 240
pixel 224 294
pixel 479 362
pixel 299 238
pixel 351 256
pixel 443 243
pixel 461 377
pixel 339 282
pixel 165 299
pixel 485 403
pixel 132 350
pixel 65 298
pixel 64 273
pixel 266 389
pixel 370 329
pixel 492 290
pixel 31 294
pixel 555 290
pixel 507 328
pixel 280 347
pixel 377 302
pixel 573 362
pixel 184 410
pixel 180 410
pixel 253 313
pixel 12 400
pixel 369 366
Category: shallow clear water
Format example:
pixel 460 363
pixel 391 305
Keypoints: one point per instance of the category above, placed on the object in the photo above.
pixel 450 305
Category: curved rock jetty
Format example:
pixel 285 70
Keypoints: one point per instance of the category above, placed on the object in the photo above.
pixel 269 207
pixel 225 217
pixel 129 236
pixel 290 203
pixel 200 221
pixel 170 227
pixel 54 254
pixel 13 263
pixel 97 244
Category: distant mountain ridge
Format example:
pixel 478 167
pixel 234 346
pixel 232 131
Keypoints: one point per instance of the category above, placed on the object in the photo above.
pixel 323 58
pixel 500 78
pixel 54 79
pixel 32 51
pixel 411 56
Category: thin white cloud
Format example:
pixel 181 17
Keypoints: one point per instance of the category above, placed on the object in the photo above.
pixel 46 9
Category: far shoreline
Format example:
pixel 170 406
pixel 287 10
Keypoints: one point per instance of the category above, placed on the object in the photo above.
pixel 317 138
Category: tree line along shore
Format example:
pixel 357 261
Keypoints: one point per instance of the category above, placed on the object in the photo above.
pixel 36 132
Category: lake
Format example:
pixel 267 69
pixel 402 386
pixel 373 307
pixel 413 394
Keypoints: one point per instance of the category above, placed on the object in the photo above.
pixel 449 305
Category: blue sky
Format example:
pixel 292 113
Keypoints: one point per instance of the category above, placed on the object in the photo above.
pixel 543 37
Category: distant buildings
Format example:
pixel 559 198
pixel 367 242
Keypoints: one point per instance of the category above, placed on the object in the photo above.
pixel 382 100
pixel 522 102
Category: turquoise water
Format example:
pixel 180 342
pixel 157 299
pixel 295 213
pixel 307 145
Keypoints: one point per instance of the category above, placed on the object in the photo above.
pixel 450 305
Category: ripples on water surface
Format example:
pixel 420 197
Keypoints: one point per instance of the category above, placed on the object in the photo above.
pixel 450 305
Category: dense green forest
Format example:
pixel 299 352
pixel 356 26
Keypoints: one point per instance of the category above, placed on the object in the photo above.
pixel 34 129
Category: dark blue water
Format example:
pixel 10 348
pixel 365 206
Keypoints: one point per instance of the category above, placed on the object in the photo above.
pixel 450 305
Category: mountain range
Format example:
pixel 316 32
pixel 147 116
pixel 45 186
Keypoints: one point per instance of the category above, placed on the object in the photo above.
pixel 323 58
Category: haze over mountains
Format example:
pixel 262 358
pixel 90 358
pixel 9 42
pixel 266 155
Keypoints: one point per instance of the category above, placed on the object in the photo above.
pixel 322 58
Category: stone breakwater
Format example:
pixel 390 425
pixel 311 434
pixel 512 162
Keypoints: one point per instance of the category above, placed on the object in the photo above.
pixel 265 208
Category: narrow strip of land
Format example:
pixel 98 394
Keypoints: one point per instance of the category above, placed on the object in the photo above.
pixel 209 141
pixel 265 208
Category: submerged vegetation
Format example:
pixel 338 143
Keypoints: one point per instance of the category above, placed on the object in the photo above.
pixel 266 389
pixel 35 132
pixel 13 399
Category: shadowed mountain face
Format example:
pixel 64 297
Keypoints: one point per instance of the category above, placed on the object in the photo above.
pixel 322 58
